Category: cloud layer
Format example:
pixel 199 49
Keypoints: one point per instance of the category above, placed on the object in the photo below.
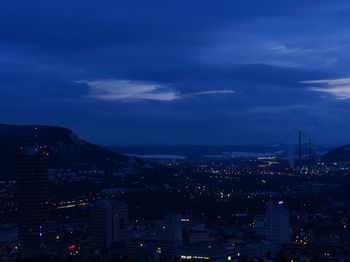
pixel 125 90
pixel 163 72
pixel 339 88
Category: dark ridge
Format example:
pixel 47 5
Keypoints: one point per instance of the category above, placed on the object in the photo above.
pixel 65 148
pixel 340 154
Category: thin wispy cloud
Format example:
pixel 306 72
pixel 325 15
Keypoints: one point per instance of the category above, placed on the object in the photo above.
pixel 111 89
pixel 339 88
pixel 209 92
pixel 283 49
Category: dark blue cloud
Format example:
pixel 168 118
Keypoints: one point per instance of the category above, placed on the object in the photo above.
pixel 170 72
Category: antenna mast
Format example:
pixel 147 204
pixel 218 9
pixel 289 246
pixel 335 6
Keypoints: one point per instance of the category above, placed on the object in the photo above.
pixel 36 144
pixel 299 144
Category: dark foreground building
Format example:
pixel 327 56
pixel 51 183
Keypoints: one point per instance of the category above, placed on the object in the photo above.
pixel 32 196
pixel 277 223
pixel 109 223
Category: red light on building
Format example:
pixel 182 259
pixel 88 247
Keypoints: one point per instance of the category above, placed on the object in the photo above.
pixel 72 247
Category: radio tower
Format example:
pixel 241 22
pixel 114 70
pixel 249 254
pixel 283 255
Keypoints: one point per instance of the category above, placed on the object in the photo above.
pixel 36 130
pixel 310 148
pixel 299 144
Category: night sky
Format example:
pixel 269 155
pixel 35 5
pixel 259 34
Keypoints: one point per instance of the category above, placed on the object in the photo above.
pixel 178 72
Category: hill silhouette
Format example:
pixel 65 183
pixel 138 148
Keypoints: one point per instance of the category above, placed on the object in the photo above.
pixel 65 148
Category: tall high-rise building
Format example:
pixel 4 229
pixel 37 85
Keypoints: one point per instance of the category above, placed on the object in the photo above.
pixel 32 196
pixel 277 222
pixel 109 223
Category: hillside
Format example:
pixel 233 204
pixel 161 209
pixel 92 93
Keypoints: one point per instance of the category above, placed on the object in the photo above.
pixel 340 154
pixel 203 151
pixel 65 148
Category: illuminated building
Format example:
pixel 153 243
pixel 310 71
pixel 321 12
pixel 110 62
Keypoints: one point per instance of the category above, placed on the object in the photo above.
pixel 142 246
pixel 109 223
pixel 159 242
pixel 277 222
pixel 254 250
pixel 32 182
pixel 207 251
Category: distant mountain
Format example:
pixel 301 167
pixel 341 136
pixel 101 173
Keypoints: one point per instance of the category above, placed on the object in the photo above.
pixel 65 148
pixel 340 154
pixel 226 151
pixel 205 151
